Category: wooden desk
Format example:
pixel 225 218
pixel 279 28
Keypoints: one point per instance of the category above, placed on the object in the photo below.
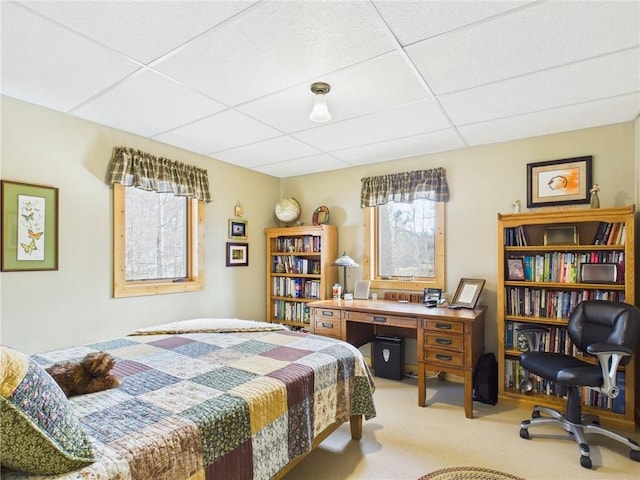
pixel 448 341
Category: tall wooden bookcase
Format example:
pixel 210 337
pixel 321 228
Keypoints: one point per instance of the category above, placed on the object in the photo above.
pixel 549 248
pixel 299 270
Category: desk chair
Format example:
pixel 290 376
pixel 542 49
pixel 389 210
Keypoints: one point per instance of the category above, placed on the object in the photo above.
pixel 608 330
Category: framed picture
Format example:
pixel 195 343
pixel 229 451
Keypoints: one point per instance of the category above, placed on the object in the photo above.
pixel 237 254
pixel 515 269
pixel 237 228
pixel 29 230
pixel 561 236
pixel 467 293
pixel 559 182
pixel 431 296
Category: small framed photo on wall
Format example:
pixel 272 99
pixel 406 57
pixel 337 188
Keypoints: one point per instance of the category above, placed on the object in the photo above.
pixel 238 229
pixel 237 254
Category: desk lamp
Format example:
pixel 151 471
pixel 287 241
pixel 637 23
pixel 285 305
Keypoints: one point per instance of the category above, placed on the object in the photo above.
pixel 345 261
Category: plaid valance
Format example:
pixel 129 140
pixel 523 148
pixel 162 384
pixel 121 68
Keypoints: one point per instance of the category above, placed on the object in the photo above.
pixel 134 168
pixel 405 187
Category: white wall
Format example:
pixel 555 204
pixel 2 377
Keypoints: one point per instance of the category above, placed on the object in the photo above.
pixel 46 310
pixel 52 309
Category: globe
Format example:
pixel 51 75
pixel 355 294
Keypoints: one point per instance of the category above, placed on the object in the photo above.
pixel 288 210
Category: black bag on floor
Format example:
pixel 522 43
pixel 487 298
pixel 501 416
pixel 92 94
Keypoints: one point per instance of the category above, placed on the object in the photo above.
pixel 485 379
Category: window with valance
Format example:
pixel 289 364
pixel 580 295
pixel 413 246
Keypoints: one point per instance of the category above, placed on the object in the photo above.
pixel 158 223
pixel 405 229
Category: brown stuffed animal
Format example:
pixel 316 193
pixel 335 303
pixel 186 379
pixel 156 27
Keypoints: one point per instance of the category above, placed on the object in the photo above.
pixel 89 375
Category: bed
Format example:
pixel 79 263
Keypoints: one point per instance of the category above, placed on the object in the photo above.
pixel 213 399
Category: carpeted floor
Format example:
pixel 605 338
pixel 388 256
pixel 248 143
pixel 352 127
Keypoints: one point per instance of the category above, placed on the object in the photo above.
pixel 405 442
pixel 468 473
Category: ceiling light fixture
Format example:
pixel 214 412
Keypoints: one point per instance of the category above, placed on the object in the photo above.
pixel 320 112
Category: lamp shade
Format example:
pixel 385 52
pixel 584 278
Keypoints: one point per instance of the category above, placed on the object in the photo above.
pixel 345 261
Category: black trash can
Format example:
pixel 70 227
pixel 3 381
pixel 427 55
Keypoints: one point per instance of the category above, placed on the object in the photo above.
pixel 388 357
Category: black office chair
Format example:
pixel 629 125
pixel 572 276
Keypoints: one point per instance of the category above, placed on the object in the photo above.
pixel 608 330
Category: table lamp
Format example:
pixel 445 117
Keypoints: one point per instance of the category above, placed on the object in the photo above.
pixel 345 261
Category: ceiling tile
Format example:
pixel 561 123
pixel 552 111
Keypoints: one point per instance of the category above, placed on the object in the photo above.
pixel 212 134
pixel 578 82
pixel 531 39
pixel 575 117
pixel 426 143
pixel 147 104
pixel 420 117
pixel 278 45
pixel 303 166
pixel 142 30
pixel 264 153
pixel 59 70
pixel 416 20
pixel 374 85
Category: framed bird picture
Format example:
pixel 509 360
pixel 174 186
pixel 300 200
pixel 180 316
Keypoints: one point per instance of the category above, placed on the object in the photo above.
pixel 29 229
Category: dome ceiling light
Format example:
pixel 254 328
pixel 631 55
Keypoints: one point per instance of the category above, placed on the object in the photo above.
pixel 320 112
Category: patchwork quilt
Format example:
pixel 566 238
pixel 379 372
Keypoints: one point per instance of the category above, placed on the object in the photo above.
pixel 207 404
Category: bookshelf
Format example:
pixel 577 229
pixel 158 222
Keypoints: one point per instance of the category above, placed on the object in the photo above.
pixel 548 262
pixel 299 270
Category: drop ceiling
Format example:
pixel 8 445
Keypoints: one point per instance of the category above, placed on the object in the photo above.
pixel 231 79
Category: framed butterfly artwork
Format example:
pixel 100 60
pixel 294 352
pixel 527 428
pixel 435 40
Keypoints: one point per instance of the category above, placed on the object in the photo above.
pixel 29 230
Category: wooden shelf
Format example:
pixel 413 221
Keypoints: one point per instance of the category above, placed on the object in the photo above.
pixel 533 226
pixel 299 249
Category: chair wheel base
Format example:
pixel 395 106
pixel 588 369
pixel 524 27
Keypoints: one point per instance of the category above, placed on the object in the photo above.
pixel 633 454
pixel 585 462
pixel 524 433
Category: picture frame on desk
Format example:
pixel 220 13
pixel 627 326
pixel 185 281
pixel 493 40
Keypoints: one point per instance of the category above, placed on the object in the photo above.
pixel 431 296
pixel 467 293
pixel 559 182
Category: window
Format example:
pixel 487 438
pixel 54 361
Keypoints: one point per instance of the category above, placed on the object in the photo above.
pixel 156 243
pixel 404 245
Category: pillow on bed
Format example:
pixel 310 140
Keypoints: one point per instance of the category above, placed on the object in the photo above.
pixel 40 433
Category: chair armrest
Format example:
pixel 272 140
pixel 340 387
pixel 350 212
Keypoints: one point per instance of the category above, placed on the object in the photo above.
pixel 609 357
pixel 598 348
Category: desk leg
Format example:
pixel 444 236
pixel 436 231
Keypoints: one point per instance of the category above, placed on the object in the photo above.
pixel 422 385
pixel 468 394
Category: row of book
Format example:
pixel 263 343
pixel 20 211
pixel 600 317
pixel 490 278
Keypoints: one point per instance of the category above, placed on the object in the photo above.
pixel 607 233
pixel 611 234
pixel 294 264
pixel 555 340
pixel 291 311
pixel 565 267
pixel 547 303
pixel 296 287
pixel 303 244
pixel 515 375
pixel 515 237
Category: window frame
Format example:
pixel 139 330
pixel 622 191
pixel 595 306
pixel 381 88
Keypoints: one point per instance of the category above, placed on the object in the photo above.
pixel 195 278
pixel 370 256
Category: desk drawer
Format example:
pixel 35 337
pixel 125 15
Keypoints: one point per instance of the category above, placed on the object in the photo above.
pixel 327 328
pixel 444 357
pixel 327 322
pixel 443 340
pixel 376 319
pixel 449 326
